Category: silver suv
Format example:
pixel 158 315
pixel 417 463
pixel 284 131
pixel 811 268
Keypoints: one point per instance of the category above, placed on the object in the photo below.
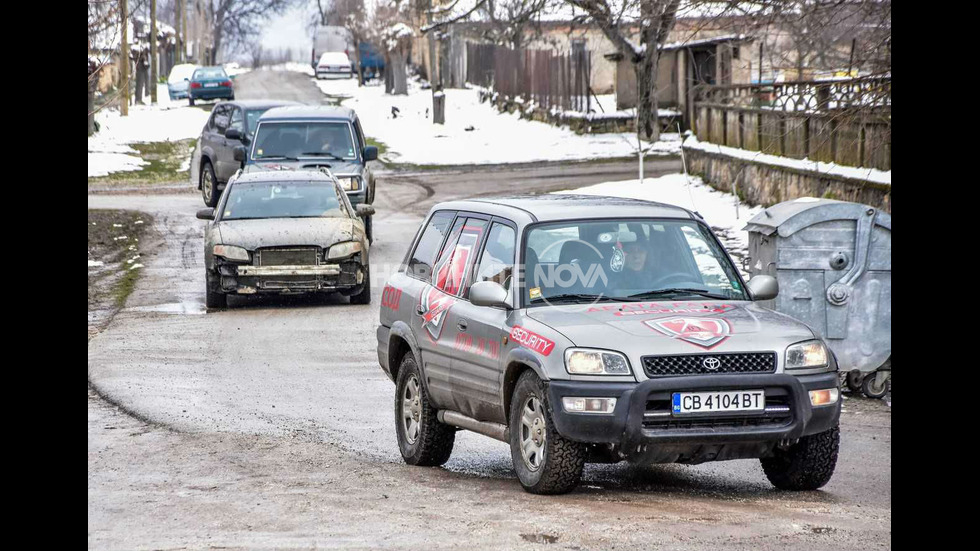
pixel 595 329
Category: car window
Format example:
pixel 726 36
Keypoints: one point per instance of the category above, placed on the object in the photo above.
pixel 452 268
pixel 252 119
pixel 237 120
pixel 497 261
pixel 221 118
pixel 209 72
pixel 304 139
pixel 283 200
pixel 420 265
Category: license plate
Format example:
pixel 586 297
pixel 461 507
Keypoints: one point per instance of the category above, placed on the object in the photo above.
pixel 211 85
pixel 726 401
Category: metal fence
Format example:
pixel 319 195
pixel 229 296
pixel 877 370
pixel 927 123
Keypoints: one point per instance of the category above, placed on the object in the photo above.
pixel 846 121
pixel 549 79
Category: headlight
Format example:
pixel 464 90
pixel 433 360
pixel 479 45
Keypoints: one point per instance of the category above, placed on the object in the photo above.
pixel 582 361
pixel 231 252
pixel 343 250
pixel 806 354
pixel 349 183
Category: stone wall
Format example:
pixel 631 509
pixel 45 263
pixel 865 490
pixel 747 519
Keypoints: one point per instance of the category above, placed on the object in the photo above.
pixel 759 183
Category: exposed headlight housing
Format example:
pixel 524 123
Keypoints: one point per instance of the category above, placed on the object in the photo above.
pixel 343 250
pixel 349 183
pixel 584 361
pixel 231 252
pixel 807 354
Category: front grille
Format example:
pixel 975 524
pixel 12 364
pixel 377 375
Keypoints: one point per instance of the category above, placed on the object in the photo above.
pixel 698 364
pixel 305 256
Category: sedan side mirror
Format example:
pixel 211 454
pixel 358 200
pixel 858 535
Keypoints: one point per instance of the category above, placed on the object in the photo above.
pixel 364 210
pixel 239 153
pixel 489 293
pixel 233 134
pixel 205 214
pixel 763 287
pixel 370 153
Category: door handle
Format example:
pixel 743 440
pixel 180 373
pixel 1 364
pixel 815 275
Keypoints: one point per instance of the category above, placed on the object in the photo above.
pixel 461 325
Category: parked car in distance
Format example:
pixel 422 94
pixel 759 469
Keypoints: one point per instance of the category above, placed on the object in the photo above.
pixel 371 61
pixel 330 38
pixel 231 125
pixel 334 65
pixel 179 80
pixel 306 137
pixel 210 83
pixel 285 233
pixel 598 329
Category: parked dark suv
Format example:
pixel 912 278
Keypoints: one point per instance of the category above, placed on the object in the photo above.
pixel 232 124
pixel 306 137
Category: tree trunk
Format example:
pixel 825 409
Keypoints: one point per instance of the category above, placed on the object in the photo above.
pixel 389 79
pixel 124 60
pixel 154 60
pixel 648 123
pixel 399 77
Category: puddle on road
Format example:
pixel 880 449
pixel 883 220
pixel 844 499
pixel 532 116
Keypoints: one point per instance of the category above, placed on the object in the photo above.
pixel 192 308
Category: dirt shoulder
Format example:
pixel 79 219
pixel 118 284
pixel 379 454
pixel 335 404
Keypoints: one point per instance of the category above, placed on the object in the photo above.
pixel 117 242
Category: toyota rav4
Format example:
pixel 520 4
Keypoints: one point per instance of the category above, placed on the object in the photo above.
pixel 582 329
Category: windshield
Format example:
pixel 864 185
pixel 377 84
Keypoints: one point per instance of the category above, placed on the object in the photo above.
pixel 210 72
pixel 304 139
pixel 283 200
pixel 626 260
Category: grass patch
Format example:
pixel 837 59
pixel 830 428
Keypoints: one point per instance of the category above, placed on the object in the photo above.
pixel 114 244
pixel 165 160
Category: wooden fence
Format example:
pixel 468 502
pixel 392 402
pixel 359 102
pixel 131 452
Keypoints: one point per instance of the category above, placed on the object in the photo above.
pixel 550 80
pixel 843 121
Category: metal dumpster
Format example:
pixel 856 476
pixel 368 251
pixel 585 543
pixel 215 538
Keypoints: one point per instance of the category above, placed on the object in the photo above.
pixel 833 263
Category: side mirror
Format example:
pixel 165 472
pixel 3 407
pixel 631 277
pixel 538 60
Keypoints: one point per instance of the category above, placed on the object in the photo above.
pixel 239 153
pixel 763 287
pixel 489 293
pixel 186 79
pixel 370 153
pixel 364 210
pixel 232 77
pixel 205 214
pixel 233 134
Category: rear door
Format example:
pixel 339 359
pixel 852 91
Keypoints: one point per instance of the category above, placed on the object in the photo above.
pixel 476 365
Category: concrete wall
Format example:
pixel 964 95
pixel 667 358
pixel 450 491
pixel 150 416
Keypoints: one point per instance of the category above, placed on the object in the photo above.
pixel 762 184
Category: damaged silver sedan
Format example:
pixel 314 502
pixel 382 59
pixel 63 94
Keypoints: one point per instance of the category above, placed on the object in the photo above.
pixel 285 233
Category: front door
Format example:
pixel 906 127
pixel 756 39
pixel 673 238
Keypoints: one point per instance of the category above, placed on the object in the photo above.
pixel 476 366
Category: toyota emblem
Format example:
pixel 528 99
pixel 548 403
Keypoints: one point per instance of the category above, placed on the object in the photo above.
pixel 711 363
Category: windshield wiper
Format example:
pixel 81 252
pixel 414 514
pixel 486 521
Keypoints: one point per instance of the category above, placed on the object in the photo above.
pixel 580 296
pixel 678 291
pixel 322 154
pixel 276 157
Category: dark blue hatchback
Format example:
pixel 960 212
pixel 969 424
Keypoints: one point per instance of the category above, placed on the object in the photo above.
pixel 210 83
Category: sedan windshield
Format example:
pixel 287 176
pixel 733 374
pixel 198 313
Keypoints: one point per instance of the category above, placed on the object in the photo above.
pixel 283 200
pixel 586 261
pixel 304 139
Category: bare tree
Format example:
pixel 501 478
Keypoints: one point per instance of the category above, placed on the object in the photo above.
pixel 237 22
pixel 351 15
pixel 512 22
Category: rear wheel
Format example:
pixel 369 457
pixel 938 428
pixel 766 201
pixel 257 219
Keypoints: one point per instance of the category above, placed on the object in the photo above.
pixel 806 465
pixel 209 185
pixel 545 462
pixel 422 439
pixel 191 100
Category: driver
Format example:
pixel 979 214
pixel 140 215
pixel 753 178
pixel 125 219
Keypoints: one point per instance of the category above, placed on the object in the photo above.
pixel 634 274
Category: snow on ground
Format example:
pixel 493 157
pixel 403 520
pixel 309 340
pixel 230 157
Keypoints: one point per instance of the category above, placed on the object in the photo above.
pixel 717 208
pixel 474 133
pixel 871 174
pixel 108 149
pixel 294 66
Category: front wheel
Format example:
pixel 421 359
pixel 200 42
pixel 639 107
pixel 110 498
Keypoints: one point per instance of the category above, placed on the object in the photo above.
pixel 422 439
pixel 806 465
pixel 212 297
pixel 545 462
pixel 364 297
pixel 191 100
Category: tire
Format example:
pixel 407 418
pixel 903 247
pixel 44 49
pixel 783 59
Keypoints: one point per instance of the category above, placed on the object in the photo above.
pixel 364 297
pixel 191 100
pixel 806 465
pixel 869 388
pixel 212 297
pixel 209 185
pixel 549 464
pixel 433 441
pixel 854 379
pixel 369 228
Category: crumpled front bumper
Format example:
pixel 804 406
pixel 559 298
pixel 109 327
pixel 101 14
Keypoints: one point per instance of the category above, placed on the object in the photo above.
pixel 642 418
pixel 347 277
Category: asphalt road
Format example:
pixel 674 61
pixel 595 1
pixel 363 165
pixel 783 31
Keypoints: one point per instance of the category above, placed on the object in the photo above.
pixel 270 424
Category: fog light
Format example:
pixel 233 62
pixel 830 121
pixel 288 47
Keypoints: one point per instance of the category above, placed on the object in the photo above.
pixel 824 397
pixel 588 405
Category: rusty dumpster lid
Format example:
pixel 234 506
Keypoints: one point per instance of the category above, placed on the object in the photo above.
pixel 791 216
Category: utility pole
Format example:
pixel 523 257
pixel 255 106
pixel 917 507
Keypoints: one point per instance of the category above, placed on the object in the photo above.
pixel 153 51
pixel 180 41
pixel 183 16
pixel 124 74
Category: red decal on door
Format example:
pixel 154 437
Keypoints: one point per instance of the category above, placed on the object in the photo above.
pixel 703 332
pixel 391 297
pixel 532 340
pixel 479 346
pixel 434 305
